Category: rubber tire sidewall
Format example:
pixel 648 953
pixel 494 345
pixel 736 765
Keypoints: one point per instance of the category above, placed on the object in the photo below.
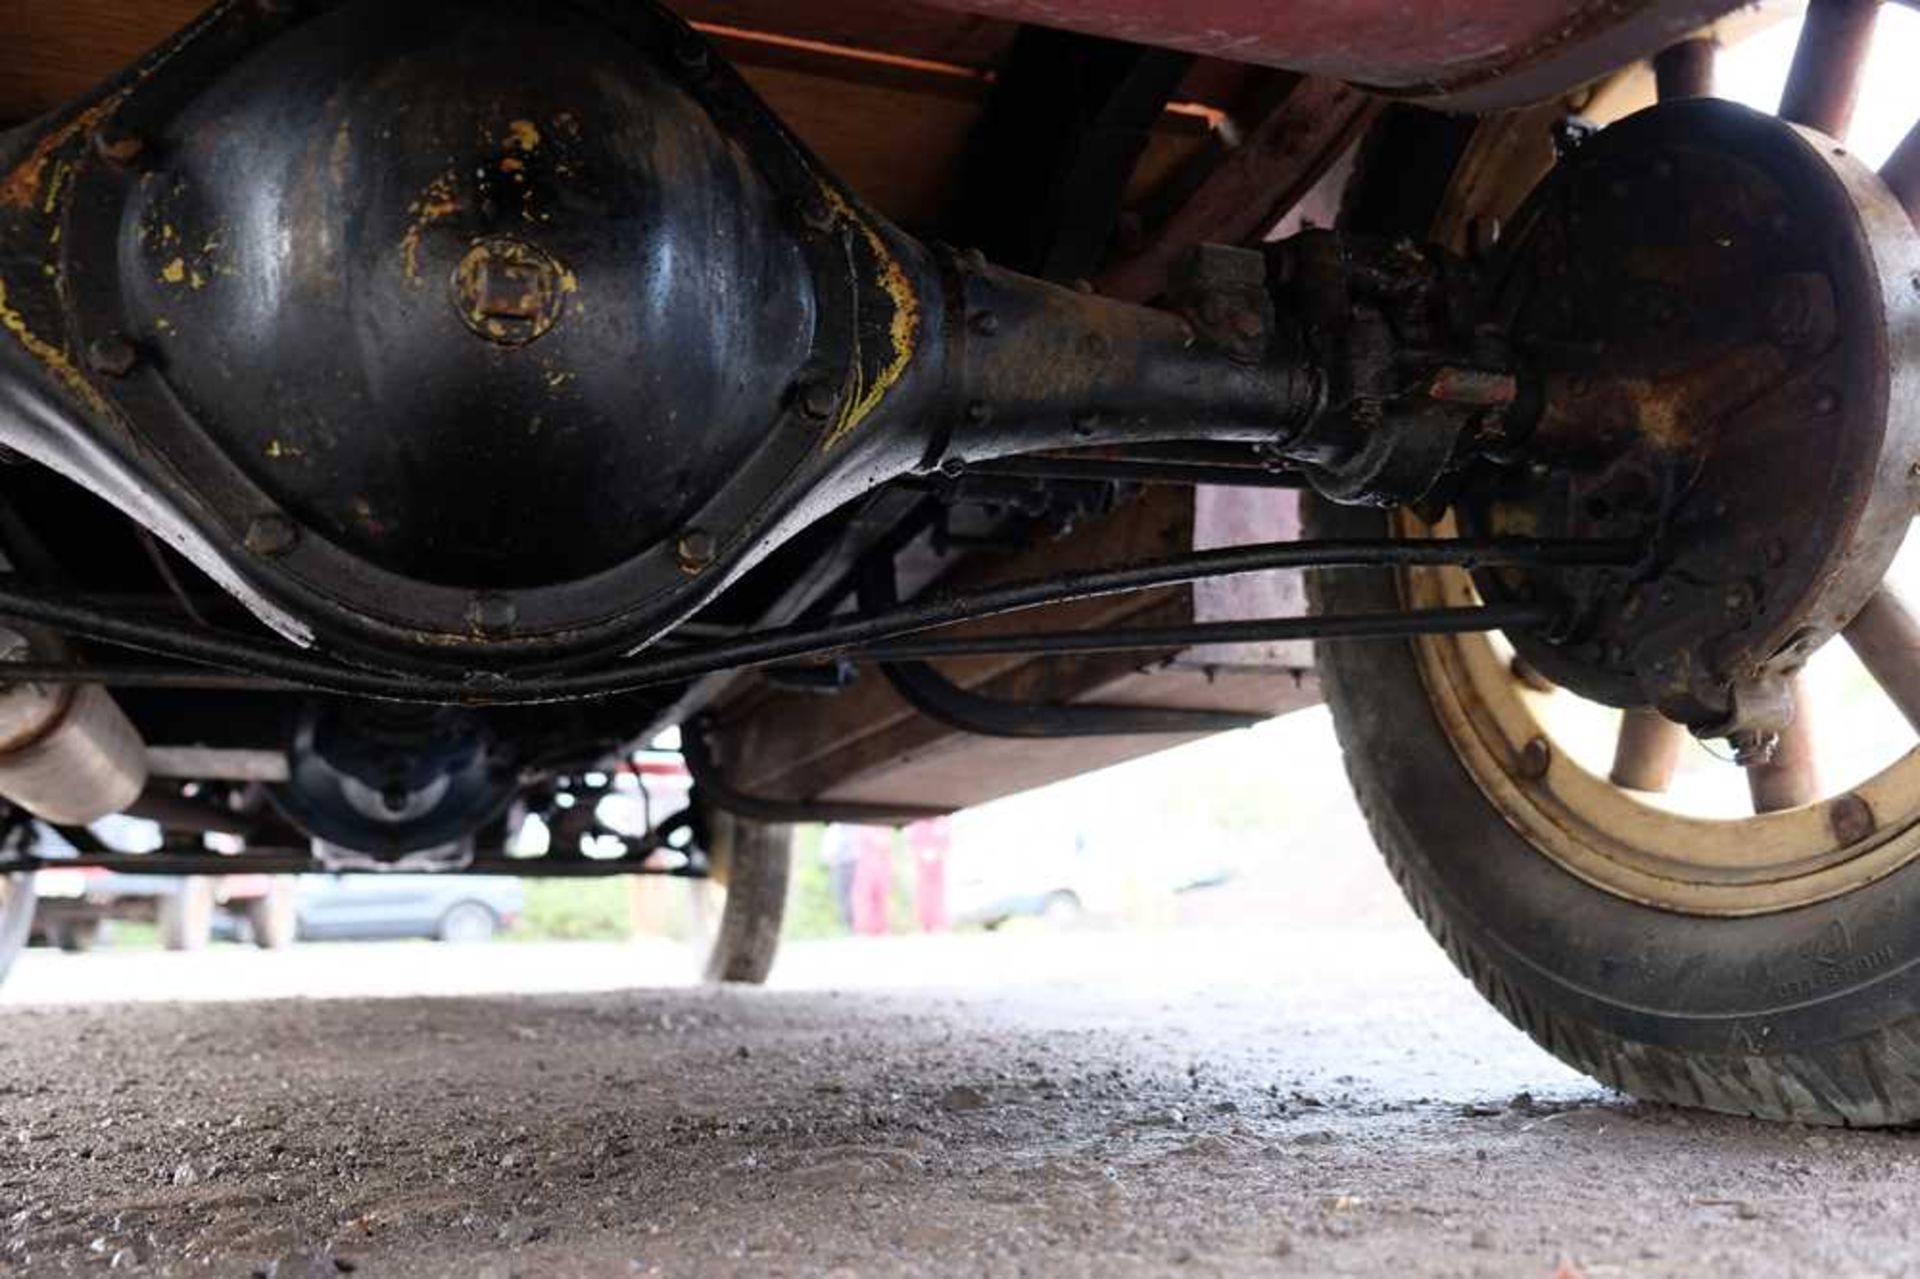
pixel 16 919
pixel 186 914
pixel 759 866
pixel 446 932
pixel 274 919
pixel 1826 991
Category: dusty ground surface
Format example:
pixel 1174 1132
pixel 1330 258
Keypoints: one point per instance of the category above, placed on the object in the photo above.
pixel 1317 1103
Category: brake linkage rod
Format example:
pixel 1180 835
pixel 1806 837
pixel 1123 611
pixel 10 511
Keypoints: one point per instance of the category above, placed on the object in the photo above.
pixel 858 636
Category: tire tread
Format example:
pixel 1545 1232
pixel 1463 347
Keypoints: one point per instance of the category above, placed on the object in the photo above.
pixel 1870 1080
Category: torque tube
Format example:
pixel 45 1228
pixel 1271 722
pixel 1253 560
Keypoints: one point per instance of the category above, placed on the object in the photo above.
pixel 1036 366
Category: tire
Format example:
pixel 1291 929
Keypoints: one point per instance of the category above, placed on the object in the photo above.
pixel 186 916
pixel 1810 1014
pixel 16 918
pixel 272 920
pixel 467 923
pixel 754 862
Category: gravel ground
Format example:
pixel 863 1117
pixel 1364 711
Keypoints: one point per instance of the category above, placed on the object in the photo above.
pixel 1328 1102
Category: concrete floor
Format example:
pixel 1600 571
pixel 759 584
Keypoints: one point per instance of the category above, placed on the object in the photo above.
pixel 1312 1102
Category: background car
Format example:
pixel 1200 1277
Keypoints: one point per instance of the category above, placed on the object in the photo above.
pixel 442 907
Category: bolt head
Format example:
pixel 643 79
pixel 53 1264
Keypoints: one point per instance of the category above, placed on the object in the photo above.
pixel 818 400
pixel 271 535
pixel 1850 818
pixel 508 291
pixel 1751 749
pixel 1536 757
pixel 985 324
pixel 696 549
pixel 818 214
pixel 112 356
pixel 493 614
pixel 117 145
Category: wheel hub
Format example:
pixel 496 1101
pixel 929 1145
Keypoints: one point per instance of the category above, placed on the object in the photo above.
pixel 1721 312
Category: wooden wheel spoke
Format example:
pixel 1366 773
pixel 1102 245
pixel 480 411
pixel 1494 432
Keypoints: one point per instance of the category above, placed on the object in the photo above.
pixel 1886 638
pixel 1647 752
pixel 1685 70
pixel 1825 78
pixel 1792 777
pixel 1901 172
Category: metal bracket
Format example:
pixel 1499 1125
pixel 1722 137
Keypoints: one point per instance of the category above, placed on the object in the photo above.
pixel 940 699
pixel 714 788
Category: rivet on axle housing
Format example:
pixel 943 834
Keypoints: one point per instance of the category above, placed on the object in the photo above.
pixel 985 324
pixel 271 535
pixel 696 548
pixel 112 356
pixel 1826 401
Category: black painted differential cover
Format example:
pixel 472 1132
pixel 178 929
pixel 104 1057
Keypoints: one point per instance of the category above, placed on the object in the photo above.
pixel 469 289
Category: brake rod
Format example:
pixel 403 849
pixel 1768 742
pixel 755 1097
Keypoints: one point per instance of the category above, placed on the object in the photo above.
pixel 845 637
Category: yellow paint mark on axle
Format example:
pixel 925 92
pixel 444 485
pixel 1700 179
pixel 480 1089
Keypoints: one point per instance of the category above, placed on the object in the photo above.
pixel 52 358
pixel 27 184
pixel 523 135
pixel 437 202
pixel 903 330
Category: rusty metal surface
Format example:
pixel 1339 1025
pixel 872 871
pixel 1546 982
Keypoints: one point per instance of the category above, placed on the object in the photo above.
pixel 1719 310
pixel 1901 172
pixel 1647 752
pixel 1477 53
pixel 1886 638
pixel 65 46
pixel 1824 80
pixel 1790 778
pixel 1684 70
pixel 1251 187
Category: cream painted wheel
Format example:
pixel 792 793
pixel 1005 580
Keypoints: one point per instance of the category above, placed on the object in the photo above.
pixel 1624 840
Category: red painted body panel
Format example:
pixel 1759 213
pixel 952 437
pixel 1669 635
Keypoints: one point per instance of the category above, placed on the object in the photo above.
pixel 1477 53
